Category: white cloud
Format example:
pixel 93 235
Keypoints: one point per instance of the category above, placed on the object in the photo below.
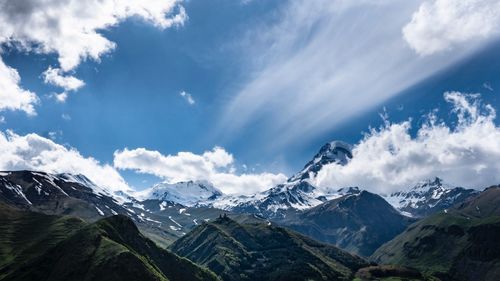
pixel 323 63
pixel 389 159
pixel 66 117
pixel 55 77
pixel 440 25
pixel 61 97
pixel 71 30
pixel 215 166
pixel 187 96
pixel 12 96
pixel 33 152
pixel 53 135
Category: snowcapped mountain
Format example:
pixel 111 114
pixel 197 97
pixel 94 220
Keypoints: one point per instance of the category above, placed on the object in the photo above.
pixel 58 194
pixel 333 152
pixel 428 196
pixel 297 193
pixel 188 193
pixel 76 195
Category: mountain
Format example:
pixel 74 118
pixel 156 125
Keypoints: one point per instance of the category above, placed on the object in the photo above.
pixel 76 195
pixel 34 246
pixel 359 222
pixel 264 252
pixel 428 197
pixel 460 243
pixel 189 193
pixel 297 193
pixel 337 152
pixel 56 194
pixel 66 194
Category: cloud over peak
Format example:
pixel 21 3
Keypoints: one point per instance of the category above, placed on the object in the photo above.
pixel 390 158
pixel 215 166
pixel 34 152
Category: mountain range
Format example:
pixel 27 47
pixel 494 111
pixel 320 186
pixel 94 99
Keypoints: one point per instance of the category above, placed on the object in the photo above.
pixel 337 233
pixel 166 211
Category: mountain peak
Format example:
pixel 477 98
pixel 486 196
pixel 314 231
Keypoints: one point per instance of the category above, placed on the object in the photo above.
pixel 428 196
pixel 333 152
pixel 187 193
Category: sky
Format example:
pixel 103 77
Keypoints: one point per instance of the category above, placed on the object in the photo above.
pixel 244 93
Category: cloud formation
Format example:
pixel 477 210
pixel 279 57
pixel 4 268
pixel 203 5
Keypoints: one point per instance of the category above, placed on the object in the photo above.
pixel 187 96
pixel 33 152
pixel 440 25
pixel 12 96
pixel 55 77
pixel 323 63
pixel 71 30
pixel 215 166
pixel 390 158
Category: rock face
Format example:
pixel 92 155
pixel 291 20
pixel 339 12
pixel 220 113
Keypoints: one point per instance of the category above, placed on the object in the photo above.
pixel 428 197
pixel 359 222
pixel 460 243
pixel 35 246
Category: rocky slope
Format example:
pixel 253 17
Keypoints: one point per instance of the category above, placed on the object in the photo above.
pixel 359 222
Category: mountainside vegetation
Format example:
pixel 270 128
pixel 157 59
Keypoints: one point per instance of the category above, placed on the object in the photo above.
pixel 457 244
pixel 256 251
pixel 40 247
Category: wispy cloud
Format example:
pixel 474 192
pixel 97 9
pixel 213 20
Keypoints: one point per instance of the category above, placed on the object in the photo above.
pixel 66 117
pixel 187 96
pixel 325 62
pixel 390 158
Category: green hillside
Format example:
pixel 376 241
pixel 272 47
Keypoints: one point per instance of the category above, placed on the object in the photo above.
pixel 264 252
pixel 40 247
pixel 461 243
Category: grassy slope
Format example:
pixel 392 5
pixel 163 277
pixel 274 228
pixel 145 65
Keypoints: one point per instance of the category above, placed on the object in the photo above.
pixel 40 247
pixel 462 243
pixel 260 252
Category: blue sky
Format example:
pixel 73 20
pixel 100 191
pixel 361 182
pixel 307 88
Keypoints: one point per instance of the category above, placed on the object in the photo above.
pixel 271 81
